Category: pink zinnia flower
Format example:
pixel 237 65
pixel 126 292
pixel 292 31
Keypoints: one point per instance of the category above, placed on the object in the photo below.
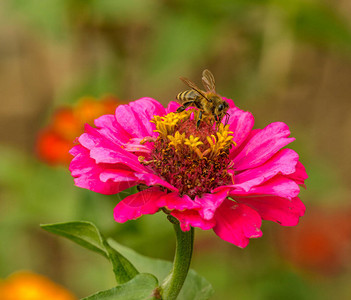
pixel 225 178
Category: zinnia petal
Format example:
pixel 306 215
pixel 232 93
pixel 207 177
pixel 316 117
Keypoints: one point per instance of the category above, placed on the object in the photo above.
pixel 262 146
pixel 240 123
pixel 172 201
pixel 192 218
pixel 109 128
pixel 135 117
pixel 152 179
pixel 210 202
pixel 283 162
pixel 230 102
pixel 172 106
pixel 300 175
pixel 104 151
pixel 277 209
pixel 143 203
pixel 278 186
pixel 87 173
pixel 237 223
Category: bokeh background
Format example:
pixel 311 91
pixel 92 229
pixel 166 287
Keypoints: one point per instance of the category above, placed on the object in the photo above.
pixel 283 60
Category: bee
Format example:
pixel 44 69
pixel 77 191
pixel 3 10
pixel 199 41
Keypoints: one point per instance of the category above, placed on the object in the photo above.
pixel 208 102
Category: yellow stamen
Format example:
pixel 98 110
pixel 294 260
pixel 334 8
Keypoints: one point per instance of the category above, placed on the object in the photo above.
pixel 177 139
pixel 165 125
pixel 147 139
pixel 193 142
pixel 142 160
pixel 218 142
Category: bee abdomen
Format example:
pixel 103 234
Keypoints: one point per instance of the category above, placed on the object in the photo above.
pixel 187 96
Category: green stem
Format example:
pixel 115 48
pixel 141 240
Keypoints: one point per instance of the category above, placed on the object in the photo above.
pixel 184 249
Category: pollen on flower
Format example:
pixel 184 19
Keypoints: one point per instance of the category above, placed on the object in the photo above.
pixel 142 160
pixel 165 125
pixel 176 140
pixel 193 143
pixel 220 143
pixel 147 139
pixel 193 159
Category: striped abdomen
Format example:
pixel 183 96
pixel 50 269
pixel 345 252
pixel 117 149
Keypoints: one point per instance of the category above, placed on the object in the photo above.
pixel 189 95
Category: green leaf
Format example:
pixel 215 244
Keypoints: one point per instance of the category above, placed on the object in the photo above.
pixel 82 233
pixel 124 270
pixel 195 286
pixel 87 235
pixel 141 287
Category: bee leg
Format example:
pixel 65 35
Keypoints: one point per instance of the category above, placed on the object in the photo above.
pixel 184 106
pixel 226 118
pixel 217 120
pixel 180 109
pixel 199 120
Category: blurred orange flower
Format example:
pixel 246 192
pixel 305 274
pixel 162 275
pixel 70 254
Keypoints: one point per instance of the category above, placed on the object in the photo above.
pixel 25 285
pixel 54 141
pixel 321 243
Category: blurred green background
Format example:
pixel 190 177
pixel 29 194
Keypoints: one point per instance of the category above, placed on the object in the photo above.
pixel 283 60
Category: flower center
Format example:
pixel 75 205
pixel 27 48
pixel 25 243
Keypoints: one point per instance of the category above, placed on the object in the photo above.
pixel 193 159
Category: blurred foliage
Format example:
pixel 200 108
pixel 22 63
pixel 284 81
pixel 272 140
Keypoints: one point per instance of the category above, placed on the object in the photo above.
pixel 314 21
pixel 162 37
pixel 139 48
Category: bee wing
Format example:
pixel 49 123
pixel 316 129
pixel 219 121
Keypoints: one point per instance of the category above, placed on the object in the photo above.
pixel 208 81
pixel 192 85
pixel 189 83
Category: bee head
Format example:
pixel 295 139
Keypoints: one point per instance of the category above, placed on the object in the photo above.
pixel 222 106
pixel 220 110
